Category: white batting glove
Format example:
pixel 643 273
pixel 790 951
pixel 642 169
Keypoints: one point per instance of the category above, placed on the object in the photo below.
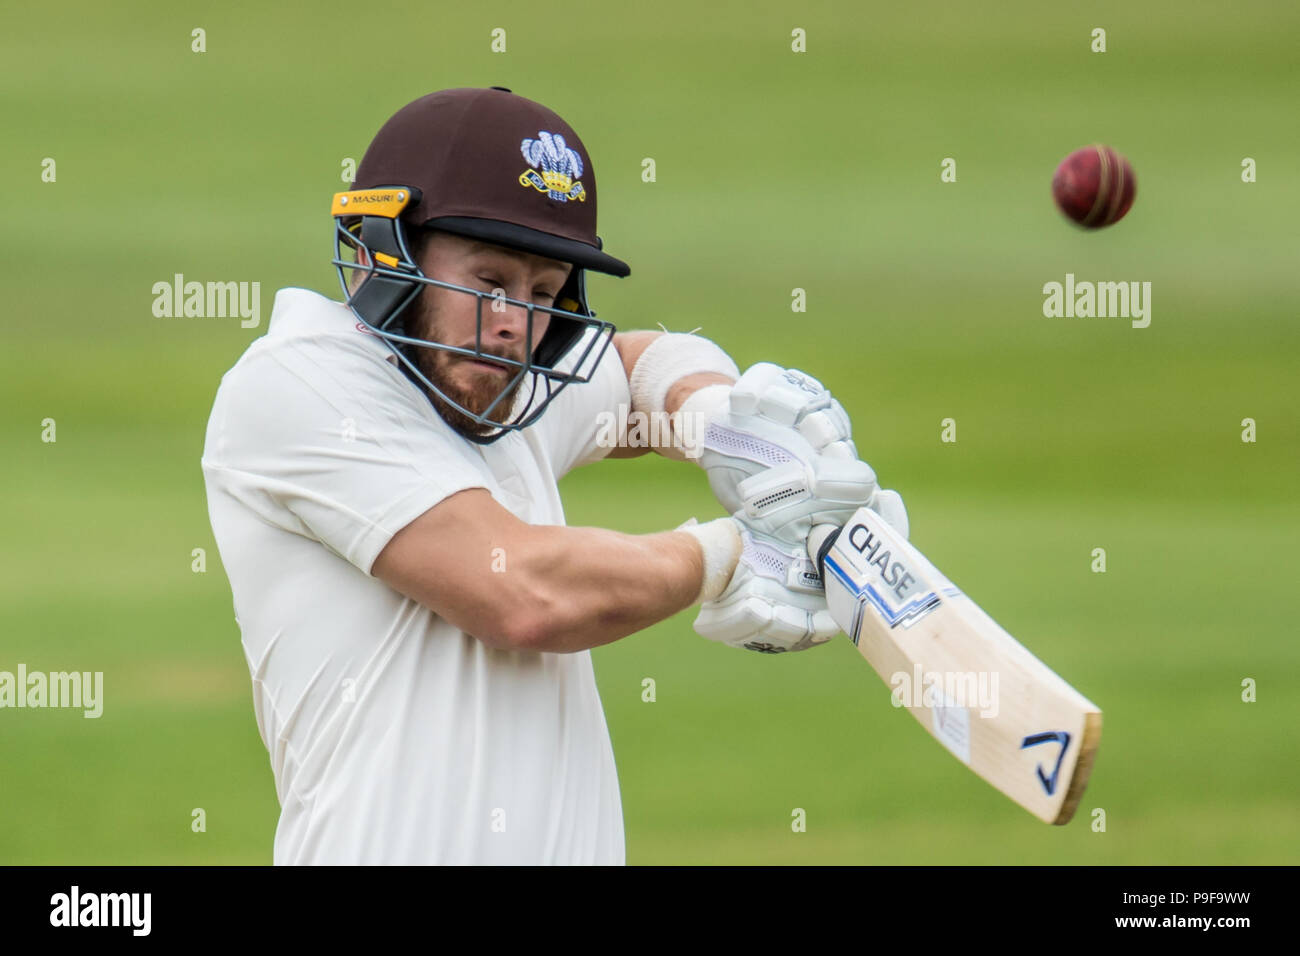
pixel 774 603
pixel 889 505
pixel 886 503
pixel 780 455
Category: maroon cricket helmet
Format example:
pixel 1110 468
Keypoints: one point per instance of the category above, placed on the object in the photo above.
pixel 494 166
pixel 489 165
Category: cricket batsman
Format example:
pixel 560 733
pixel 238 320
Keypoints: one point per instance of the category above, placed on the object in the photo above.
pixel 382 474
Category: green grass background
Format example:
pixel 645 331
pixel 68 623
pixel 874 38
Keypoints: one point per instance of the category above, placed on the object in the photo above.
pixel 775 171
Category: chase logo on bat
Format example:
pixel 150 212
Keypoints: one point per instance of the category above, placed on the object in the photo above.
pixel 867 596
pixel 899 594
pixel 893 572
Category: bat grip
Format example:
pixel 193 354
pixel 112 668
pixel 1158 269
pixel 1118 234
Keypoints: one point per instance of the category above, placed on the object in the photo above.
pixel 820 541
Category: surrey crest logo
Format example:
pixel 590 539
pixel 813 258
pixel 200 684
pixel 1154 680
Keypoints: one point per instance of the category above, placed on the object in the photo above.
pixel 559 165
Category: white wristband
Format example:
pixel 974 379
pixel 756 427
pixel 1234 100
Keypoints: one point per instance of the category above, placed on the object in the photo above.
pixel 721 544
pixel 669 359
pixel 691 420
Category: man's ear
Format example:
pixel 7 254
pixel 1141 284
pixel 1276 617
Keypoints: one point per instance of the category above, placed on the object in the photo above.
pixel 355 276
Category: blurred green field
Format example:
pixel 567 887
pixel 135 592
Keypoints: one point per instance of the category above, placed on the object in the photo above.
pixel 775 171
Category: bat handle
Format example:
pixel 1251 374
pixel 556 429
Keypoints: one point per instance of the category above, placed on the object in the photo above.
pixel 820 540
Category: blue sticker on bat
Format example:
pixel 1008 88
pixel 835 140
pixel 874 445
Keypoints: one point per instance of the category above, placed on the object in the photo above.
pixel 893 614
pixel 1052 736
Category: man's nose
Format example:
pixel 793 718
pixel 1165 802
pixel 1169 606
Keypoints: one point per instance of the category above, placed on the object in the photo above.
pixel 505 321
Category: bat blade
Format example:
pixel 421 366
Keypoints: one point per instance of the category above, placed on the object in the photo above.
pixel 978 691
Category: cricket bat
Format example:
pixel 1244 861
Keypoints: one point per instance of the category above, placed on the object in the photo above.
pixel 979 692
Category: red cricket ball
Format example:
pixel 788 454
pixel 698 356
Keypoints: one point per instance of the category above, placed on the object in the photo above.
pixel 1094 186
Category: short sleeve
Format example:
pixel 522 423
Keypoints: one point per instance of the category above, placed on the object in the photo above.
pixel 580 421
pixel 344 454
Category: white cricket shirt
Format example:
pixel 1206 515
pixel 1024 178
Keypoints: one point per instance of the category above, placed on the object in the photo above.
pixel 395 737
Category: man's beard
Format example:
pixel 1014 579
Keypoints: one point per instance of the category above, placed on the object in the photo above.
pixel 482 388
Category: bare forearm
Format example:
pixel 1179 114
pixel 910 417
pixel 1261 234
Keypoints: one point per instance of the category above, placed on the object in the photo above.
pixel 590 586
pixel 517 586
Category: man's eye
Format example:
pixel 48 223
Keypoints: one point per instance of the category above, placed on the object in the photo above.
pixel 495 283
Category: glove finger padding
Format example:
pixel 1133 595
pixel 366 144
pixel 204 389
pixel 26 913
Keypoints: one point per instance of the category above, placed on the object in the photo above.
pixel 775 416
pixel 826 426
pixel 785 502
pixel 747 391
pixel 780 395
pixel 775 601
pixel 824 627
pixel 840 450
pixel 757 624
pixel 790 629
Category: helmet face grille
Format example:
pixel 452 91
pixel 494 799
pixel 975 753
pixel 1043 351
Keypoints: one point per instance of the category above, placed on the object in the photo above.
pixel 391 281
